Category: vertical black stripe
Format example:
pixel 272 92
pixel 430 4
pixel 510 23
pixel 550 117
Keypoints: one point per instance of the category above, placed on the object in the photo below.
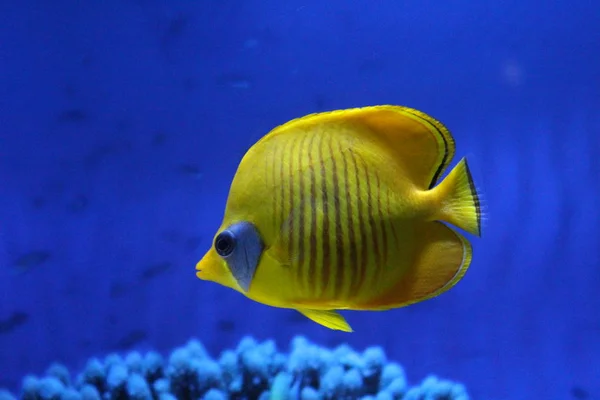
pixel 363 250
pixel 301 217
pixel 291 202
pixel 370 214
pixel 382 226
pixel 282 183
pixel 325 242
pixel 352 251
pixel 382 219
pixel 339 236
pixel 312 240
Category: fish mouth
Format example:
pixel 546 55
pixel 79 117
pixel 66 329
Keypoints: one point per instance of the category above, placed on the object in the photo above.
pixel 207 266
pixel 199 270
pixel 203 270
pixel 202 274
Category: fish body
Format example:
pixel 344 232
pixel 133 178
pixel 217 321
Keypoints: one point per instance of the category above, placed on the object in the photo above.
pixel 344 210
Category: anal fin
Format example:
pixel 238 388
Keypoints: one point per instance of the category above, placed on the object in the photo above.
pixel 328 318
pixel 441 258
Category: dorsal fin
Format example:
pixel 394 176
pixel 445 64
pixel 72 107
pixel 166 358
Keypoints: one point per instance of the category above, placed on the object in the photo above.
pixel 420 143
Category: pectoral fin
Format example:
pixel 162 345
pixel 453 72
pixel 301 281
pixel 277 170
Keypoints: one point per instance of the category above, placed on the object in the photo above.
pixel 328 318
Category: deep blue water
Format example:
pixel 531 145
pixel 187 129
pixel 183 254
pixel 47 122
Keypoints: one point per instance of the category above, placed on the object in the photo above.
pixel 122 123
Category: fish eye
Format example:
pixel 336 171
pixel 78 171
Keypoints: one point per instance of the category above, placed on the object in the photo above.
pixel 225 243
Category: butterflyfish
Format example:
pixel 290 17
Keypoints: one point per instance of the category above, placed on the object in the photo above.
pixel 345 210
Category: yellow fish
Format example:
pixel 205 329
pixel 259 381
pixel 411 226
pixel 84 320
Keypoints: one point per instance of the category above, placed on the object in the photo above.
pixel 343 210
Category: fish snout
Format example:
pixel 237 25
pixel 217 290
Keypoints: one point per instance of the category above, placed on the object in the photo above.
pixel 205 266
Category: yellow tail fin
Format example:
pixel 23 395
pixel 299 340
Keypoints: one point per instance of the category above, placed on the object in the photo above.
pixel 460 203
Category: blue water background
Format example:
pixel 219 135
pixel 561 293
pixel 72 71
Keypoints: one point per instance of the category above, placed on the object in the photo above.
pixel 122 123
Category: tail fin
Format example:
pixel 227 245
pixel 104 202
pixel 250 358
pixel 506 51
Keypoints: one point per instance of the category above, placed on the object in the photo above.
pixel 459 199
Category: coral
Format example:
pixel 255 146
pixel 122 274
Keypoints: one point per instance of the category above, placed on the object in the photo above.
pixel 252 371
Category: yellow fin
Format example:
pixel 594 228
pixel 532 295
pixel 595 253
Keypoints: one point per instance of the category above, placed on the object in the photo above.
pixel 441 258
pixel 328 318
pixel 422 145
pixel 459 199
